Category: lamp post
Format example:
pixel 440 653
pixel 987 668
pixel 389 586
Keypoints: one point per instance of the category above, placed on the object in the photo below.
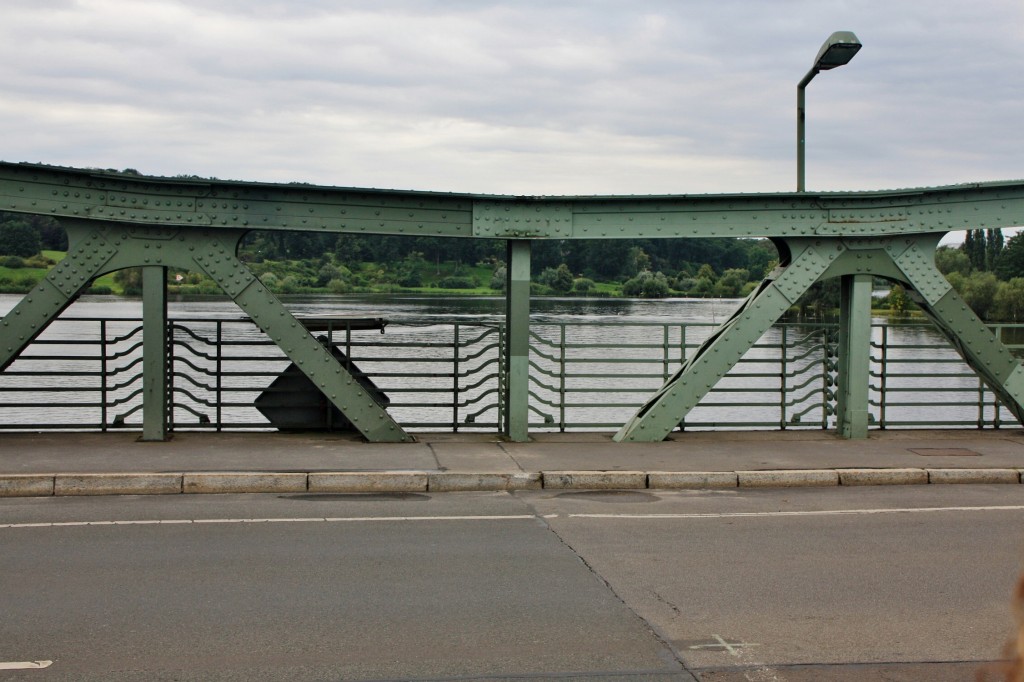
pixel 854 358
pixel 837 50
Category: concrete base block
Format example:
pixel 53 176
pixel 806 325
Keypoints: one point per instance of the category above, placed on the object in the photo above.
pixel 450 481
pixel 117 484
pixel 691 480
pixel 26 485
pixel 973 476
pixel 368 482
pixel 882 476
pixel 788 478
pixel 244 482
pixel 595 480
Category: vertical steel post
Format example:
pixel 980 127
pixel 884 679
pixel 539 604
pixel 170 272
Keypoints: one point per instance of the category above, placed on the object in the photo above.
pixel 562 369
pixel 783 371
pixel 103 375
pixel 884 364
pixel 154 353
pixel 517 348
pixel 220 368
pixel 854 354
pixel 826 368
pixel 455 380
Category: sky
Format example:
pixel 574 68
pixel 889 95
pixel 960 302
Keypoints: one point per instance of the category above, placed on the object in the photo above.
pixel 534 97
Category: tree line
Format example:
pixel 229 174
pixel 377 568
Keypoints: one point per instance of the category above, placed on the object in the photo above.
pixel 986 270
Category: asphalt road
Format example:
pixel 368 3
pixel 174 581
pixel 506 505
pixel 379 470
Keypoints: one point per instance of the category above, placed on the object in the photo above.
pixel 896 583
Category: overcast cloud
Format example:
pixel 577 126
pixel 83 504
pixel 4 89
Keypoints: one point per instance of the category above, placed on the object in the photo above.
pixel 527 97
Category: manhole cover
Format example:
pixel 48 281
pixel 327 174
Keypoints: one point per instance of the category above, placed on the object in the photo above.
pixel 945 452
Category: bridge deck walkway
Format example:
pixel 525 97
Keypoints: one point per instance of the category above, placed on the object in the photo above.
pixel 96 463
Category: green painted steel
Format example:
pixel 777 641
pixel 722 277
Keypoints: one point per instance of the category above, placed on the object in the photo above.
pixel 87 374
pixel 122 220
pixel 96 251
pixel 854 355
pixel 517 340
pixel 155 349
pixel 666 410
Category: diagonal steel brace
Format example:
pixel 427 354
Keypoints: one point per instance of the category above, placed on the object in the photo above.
pixel 723 349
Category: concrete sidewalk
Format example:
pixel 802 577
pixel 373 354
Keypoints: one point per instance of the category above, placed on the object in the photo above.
pixel 203 462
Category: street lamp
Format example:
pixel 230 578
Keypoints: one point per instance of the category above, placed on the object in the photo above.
pixel 837 50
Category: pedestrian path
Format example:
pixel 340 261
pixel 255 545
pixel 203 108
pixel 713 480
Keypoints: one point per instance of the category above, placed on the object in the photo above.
pixel 33 464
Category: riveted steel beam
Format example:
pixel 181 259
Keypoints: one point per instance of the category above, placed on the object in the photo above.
pixel 723 349
pixel 218 260
pixel 980 348
pixel 87 257
pixel 125 198
pixel 110 247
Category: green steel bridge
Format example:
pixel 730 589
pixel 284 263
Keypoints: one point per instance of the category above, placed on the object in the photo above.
pixel 117 221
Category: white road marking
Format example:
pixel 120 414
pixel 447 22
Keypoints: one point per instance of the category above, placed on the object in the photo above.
pixel 732 647
pixel 509 517
pixel 818 512
pixel 24 665
pixel 345 519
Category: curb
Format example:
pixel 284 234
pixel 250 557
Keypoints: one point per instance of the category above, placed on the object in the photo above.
pixel 71 484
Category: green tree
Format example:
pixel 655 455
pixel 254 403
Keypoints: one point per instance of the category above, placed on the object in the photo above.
pixel 130 280
pixel 647 285
pixel 18 238
pixel 949 260
pixel 978 291
pixel 637 261
pixel 559 279
pixel 993 247
pixel 1008 305
pixel 731 283
pixel 1010 262
pixel 583 286
pixel 499 277
pixel 974 247
pixel 899 301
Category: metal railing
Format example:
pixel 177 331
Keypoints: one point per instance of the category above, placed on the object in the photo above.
pixel 86 374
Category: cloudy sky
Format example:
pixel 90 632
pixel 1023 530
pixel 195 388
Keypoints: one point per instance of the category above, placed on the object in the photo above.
pixel 526 97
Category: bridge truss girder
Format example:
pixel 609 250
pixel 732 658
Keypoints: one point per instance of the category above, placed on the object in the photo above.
pixel 909 261
pixel 98 249
pixel 117 221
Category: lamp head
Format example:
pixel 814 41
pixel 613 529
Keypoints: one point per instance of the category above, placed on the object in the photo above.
pixel 837 50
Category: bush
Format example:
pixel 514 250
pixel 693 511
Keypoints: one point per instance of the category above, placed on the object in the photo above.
pixel 647 285
pixel 583 286
pixel 12 262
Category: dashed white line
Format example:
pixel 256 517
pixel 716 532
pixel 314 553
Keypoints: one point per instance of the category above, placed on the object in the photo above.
pixel 345 519
pixel 816 512
pixel 24 665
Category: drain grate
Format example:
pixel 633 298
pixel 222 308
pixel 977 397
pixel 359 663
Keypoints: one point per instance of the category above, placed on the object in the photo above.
pixel 945 452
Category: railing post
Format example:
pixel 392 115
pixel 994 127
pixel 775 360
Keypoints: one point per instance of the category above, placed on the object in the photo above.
pixel 827 396
pixel 103 375
pixel 154 353
pixel 455 380
pixel 783 369
pixel 884 379
pixel 682 361
pixel 220 367
pixel 854 354
pixel 517 348
pixel 561 379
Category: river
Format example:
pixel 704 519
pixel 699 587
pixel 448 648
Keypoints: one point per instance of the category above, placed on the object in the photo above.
pixel 604 385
